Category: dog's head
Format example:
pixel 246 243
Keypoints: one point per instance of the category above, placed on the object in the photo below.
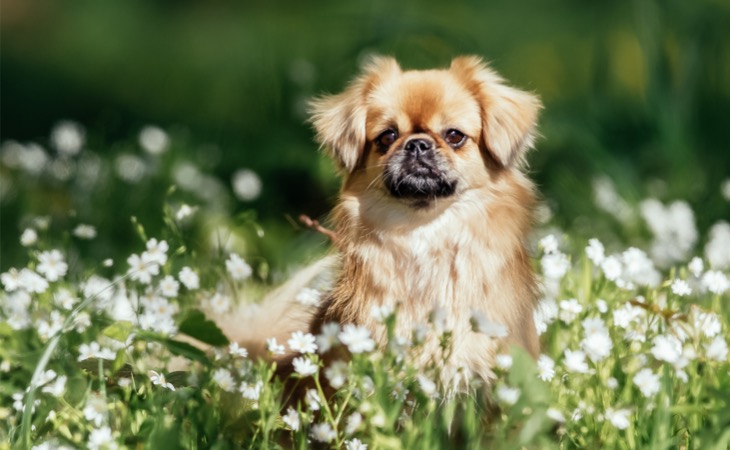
pixel 425 135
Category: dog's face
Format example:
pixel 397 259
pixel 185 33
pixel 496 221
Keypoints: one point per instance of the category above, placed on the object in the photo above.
pixel 421 136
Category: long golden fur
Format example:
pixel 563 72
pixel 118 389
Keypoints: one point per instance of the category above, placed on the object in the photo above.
pixel 452 241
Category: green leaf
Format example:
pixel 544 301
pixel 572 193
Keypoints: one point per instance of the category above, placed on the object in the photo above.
pixel 166 435
pixel 186 350
pixel 197 326
pixel 119 331
pixel 535 424
pixel 523 375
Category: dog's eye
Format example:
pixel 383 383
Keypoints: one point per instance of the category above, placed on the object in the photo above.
pixel 454 138
pixel 386 139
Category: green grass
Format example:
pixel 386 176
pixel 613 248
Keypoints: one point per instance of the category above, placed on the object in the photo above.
pixel 654 374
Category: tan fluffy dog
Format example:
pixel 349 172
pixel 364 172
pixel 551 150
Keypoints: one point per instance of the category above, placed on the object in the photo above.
pixel 433 215
pixel 434 210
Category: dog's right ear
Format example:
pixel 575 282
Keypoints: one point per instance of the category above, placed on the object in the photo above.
pixel 340 120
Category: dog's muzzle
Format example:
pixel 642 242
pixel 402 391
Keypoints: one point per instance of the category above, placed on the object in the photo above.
pixel 418 171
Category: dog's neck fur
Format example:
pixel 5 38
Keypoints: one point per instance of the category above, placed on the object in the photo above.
pixel 449 257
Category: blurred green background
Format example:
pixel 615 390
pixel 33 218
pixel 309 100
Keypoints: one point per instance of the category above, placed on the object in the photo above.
pixel 637 90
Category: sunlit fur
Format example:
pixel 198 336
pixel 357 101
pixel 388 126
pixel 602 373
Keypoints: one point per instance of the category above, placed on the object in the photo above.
pixel 460 253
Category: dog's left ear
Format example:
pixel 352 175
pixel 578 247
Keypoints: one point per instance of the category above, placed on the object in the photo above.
pixel 509 115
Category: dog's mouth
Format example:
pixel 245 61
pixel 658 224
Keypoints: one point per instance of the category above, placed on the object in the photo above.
pixel 418 181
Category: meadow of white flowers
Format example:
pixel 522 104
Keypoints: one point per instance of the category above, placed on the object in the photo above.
pixel 634 338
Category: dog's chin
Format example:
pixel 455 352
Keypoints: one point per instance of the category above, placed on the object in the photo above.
pixel 420 191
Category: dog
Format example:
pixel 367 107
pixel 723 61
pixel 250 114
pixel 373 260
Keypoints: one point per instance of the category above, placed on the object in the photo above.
pixel 434 210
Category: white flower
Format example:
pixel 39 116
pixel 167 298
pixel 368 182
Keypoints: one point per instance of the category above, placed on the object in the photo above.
pixel 29 237
pixel 427 385
pixel 328 336
pixel 94 350
pixel 611 267
pixel 713 280
pixel 618 418
pixel 302 342
pixel 601 306
pixel 184 211
pixel 251 391
pixel 18 401
pixel 11 279
pixel 52 265
pixel 612 383
pixel 504 361
pixel 549 244
pixel 575 361
pixel 626 315
pixel 597 345
pixel 169 287
pixel 673 226
pixel 219 303
pixel 717 249
pixel 64 299
pixel 354 421
pixel 312 399
pixel 141 270
pixel 609 200
pixel 82 322
pixel 83 231
pixel 238 268
pixel 31 282
pixel 707 322
pixel 545 314
pixel 638 268
pixel 225 380
pixel 555 265
pixel 48 329
pixel 291 418
pixel 160 380
pixel 274 347
pixel 595 251
pixel 481 324
pixel 593 325
pixel 355 444
pixel 246 185
pixel 235 350
pixel 337 373
pixel 189 278
pixel 696 266
pixel 717 349
pixel 57 387
pixel 153 140
pixel 681 288
pixel 68 137
pixel 323 432
pixel 647 382
pixel 356 338
pixel 667 348
pixel 381 313
pixel 569 310
pixel 507 395
pixel 95 409
pixel 101 438
pixel 130 168
pixel 555 414
pixel 156 252
pixel 545 368
pixel 304 366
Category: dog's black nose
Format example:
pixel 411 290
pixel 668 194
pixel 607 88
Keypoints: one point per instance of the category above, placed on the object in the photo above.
pixel 419 146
